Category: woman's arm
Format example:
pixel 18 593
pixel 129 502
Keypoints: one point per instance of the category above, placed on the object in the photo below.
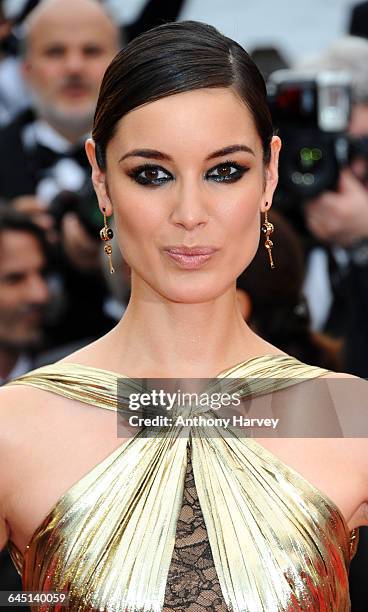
pixel 13 400
pixel 3 533
pixel 350 397
pixel 3 470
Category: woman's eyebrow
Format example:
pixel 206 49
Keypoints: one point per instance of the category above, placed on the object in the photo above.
pixel 154 154
pixel 230 149
pixel 147 153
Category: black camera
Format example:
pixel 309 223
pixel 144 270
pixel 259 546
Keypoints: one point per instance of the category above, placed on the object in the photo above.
pixel 84 204
pixel 312 114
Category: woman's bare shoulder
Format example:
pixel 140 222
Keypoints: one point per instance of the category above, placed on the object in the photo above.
pixel 342 380
pixel 331 374
pixel 24 413
pixel 349 394
pixel 17 401
pixel 29 414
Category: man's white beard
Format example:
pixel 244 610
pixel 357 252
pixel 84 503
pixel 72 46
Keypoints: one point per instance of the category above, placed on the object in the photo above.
pixel 70 122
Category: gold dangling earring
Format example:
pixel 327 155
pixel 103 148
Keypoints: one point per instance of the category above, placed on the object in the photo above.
pixel 267 228
pixel 106 234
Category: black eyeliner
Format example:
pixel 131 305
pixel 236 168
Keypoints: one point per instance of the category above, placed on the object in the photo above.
pixel 241 170
pixel 134 174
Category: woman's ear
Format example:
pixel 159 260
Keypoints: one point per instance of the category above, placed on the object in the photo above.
pixel 272 175
pixel 98 178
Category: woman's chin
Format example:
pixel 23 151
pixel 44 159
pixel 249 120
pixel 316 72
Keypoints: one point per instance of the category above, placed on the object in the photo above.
pixel 185 289
pixel 192 294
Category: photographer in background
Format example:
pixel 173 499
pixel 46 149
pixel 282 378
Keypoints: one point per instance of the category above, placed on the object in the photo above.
pixel 339 218
pixel 321 110
pixel 334 230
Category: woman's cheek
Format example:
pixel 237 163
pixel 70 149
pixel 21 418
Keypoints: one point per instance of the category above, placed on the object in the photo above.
pixel 133 215
pixel 245 210
pixel 244 230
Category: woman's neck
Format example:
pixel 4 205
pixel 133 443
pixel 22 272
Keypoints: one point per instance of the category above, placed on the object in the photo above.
pixel 161 338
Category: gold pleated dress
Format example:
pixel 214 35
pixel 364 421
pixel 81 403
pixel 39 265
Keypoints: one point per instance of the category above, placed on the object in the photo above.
pixel 191 520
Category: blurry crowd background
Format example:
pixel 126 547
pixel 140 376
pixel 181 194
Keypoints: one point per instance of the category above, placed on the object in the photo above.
pixel 55 290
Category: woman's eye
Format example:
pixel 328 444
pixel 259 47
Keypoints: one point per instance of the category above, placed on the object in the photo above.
pixel 226 172
pixel 150 175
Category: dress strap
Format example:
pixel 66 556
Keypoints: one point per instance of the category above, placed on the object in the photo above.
pixel 86 384
pixel 110 390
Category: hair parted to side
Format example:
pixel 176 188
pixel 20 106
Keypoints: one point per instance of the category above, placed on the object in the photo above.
pixel 174 58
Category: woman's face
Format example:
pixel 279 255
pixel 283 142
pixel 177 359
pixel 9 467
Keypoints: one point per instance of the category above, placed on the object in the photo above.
pixel 185 176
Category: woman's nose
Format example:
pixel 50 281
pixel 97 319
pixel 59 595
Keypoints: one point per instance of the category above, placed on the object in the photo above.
pixel 190 207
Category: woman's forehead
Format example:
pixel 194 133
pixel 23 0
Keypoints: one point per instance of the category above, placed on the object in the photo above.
pixel 209 118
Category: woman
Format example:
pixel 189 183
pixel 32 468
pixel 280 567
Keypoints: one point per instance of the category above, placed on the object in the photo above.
pixel 182 518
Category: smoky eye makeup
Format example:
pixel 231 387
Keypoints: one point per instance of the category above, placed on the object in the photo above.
pixel 228 171
pixel 150 174
pixel 153 175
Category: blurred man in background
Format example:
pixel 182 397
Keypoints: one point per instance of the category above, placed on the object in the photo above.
pixel 67 47
pixel 24 292
pixel 24 296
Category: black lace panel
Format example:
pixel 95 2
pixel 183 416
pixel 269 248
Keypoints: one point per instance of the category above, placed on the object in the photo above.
pixel 192 584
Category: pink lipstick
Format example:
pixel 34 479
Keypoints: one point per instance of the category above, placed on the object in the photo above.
pixel 190 258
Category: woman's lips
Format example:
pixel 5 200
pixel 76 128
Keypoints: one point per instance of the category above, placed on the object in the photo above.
pixel 190 259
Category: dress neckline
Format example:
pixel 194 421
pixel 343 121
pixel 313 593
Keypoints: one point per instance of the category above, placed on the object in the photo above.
pixel 262 450
pixel 220 374
pixel 275 361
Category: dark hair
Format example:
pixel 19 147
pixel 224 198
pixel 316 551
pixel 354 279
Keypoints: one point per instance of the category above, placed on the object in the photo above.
pixel 174 58
pixel 15 221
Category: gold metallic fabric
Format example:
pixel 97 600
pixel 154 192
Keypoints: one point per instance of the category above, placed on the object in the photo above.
pixel 278 543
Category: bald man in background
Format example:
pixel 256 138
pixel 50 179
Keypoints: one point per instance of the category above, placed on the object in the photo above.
pixel 68 45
